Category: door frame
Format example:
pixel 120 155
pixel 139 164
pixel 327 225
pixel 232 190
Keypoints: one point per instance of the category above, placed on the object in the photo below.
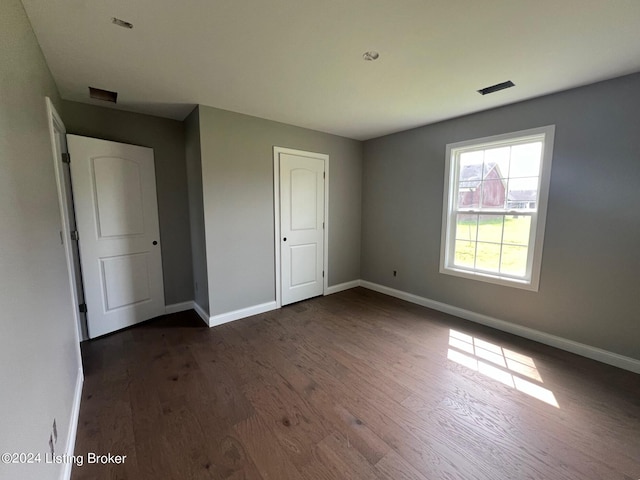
pixel 57 126
pixel 276 209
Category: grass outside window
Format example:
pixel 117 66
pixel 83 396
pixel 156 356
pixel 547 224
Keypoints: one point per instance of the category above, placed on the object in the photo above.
pixel 494 243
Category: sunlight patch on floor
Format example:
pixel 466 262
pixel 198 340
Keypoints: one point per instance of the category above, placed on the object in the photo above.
pixel 501 364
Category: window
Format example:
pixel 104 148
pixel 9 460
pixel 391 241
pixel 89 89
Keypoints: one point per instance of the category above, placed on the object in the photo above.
pixel 495 203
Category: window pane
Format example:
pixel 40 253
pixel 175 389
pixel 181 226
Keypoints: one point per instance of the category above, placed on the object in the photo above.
pixel 488 256
pixel 469 195
pixel 490 228
pixel 470 179
pixel 523 193
pixel 471 159
pixel 514 260
pixel 516 229
pixel 500 157
pixel 466 227
pixel 465 253
pixel 493 193
pixel 525 160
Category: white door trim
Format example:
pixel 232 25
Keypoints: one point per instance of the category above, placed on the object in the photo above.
pixel 276 208
pixel 56 125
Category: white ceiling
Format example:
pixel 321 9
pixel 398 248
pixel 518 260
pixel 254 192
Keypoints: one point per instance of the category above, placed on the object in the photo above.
pixel 300 61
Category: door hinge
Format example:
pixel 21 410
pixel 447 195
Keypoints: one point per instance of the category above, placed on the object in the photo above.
pixel 323 225
pixel 324 175
pixel 75 235
pixel 66 158
pixel 322 273
pixel 83 308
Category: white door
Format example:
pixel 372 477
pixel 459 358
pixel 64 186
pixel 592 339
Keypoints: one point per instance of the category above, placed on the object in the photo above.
pixel 302 208
pixel 114 187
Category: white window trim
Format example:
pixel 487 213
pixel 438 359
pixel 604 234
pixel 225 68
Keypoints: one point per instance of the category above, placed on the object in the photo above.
pixel 532 282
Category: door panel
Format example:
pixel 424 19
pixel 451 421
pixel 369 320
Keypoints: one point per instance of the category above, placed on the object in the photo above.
pixel 117 215
pixel 303 264
pixel 304 208
pixel 125 280
pixel 118 196
pixel 301 227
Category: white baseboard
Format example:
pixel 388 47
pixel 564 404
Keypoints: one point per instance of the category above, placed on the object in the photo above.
pixel 594 353
pixel 341 287
pixel 73 426
pixel 178 307
pixel 201 312
pixel 242 313
pixel 184 306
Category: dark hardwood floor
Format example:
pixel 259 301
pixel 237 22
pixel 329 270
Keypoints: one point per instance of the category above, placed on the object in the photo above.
pixel 356 385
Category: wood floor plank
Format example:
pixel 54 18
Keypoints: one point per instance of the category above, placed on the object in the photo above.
pixel 294 423
pixel 336 459
pixel 107 419
pixel 271 460
pixel 155 458
pixel 361 437
pixel 393 467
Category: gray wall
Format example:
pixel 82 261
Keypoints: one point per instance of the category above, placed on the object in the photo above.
pixel 196 209
pixel 589 279
pixel 166 137
pixel 39 354
pixel 237 170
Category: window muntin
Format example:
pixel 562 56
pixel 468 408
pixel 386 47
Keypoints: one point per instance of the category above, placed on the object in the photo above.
pixel 495 204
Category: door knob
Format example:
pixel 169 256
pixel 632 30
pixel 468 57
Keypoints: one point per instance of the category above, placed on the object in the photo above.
pixel 155 242
pixel 284 239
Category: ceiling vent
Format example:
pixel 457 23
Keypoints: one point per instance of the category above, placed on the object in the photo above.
pixel 105 95
pixel 497 87
pixel 121 23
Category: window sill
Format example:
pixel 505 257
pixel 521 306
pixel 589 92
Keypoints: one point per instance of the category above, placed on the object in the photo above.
pixel 494 279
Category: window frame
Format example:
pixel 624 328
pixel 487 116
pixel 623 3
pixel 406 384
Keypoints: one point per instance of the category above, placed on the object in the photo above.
pixel 531 280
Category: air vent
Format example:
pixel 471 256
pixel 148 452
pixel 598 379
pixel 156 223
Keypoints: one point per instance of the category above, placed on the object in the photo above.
pixel 121 23
pixel 497 87
pixel 105 95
